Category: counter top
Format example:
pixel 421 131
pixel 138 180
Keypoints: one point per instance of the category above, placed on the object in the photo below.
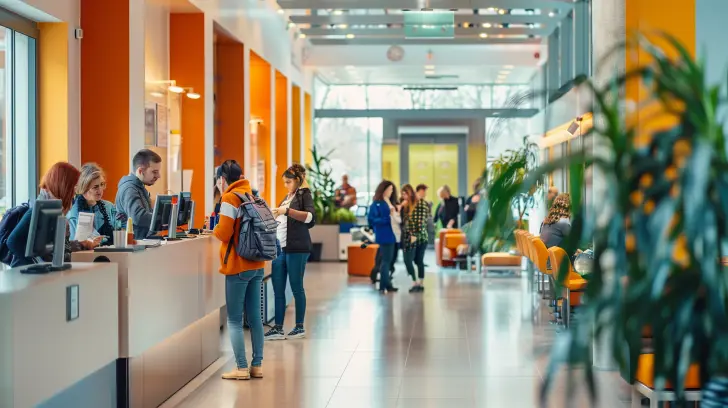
pixel 13 281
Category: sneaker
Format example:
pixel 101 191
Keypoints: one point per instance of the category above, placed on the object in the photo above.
pixel 297 333
pixel 237 374
pixel 256 372
pixel 275 333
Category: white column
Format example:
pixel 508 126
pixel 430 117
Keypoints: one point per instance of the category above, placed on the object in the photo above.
pixel 136 77
pixel 247 156
pixel 209 96
pixel 272 158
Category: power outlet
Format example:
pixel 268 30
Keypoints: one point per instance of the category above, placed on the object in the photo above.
pixel 79 33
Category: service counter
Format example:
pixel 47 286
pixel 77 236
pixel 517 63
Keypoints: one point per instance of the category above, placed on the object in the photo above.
pixel 168 316
pixel 56 330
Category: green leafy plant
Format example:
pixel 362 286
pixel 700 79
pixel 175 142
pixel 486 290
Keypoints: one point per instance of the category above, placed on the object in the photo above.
pixel 323 189
pixel 661 223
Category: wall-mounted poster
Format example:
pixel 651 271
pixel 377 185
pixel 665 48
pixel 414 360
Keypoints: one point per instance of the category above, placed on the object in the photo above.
pixel 150 124
pixel 162 125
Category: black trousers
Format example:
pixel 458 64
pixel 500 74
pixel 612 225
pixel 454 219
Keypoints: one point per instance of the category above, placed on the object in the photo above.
pixel 378 260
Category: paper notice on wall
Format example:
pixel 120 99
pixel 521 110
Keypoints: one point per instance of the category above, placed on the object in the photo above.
pixel 85 227
pixel 187 180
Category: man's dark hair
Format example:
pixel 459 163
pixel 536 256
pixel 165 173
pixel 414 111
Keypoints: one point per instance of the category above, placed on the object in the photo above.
pixel 230 170
pixel 421 187
pixel 144 158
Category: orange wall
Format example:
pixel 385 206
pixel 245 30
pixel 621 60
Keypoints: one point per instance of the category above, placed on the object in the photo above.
pixel 260 107
pixel 230 102
pixel 308 127
pixel 281 134
pixel 53 95
pixel 187 67
pixel 676 18
pixel 105 88
pixel 296 118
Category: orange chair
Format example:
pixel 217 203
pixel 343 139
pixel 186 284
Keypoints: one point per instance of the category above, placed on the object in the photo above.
pixel 445 249
pixel 539 256
pixel 574 284
pixel 360 261
pixel 645 384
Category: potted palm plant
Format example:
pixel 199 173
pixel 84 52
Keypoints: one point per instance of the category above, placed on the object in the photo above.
pixel 661 229
pixel 325 235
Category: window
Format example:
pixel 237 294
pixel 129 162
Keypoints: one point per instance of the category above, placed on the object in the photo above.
pixel 17 114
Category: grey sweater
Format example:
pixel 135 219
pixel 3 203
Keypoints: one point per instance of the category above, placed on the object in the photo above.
pixel 132 200
pixel 554 234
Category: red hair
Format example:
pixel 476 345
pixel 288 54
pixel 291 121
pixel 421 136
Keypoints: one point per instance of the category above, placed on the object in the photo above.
pixel 60 180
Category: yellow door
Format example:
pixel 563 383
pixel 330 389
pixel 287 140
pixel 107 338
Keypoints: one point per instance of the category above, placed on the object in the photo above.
pixel 435 165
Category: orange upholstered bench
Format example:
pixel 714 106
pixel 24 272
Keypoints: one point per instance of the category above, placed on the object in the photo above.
pixel 645 383
pixel 360 261
pixel 494 261
pixel 444 253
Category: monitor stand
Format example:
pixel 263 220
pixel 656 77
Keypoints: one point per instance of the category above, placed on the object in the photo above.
pixel 59 252
pixel 45 268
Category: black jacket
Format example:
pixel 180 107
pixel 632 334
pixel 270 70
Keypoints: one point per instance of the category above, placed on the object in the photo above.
pixel 298 240
pixel 449 209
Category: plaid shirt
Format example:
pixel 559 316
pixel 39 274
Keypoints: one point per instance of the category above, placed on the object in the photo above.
pixel 415 224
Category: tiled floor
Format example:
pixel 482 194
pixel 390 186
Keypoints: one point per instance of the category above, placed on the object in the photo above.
pixel 466 342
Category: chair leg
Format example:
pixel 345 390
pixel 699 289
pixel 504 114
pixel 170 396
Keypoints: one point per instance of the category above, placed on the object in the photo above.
pixel 636 399
pixel 567 308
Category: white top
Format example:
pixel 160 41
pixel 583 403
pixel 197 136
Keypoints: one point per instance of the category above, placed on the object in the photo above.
pixel 282 230
pixel 396 219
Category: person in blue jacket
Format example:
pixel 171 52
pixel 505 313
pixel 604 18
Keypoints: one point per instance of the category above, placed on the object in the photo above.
pixel 382 215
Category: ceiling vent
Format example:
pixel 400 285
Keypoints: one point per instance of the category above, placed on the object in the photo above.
pixel 430 88
pixel 439 77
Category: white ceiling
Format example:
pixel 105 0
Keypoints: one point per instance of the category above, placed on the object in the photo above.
pixel 418 74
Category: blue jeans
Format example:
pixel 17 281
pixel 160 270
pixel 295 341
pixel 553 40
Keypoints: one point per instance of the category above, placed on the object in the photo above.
pixel 291 266
pixel 242 293
pixel 387 252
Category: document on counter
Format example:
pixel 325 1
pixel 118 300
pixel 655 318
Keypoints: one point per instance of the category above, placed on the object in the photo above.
pixel 85 227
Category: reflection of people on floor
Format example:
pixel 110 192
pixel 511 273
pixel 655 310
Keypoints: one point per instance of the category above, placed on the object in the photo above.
pixel 448 210
pixel 346 194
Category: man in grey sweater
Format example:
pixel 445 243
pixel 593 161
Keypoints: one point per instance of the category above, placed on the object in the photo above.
pixel 132 198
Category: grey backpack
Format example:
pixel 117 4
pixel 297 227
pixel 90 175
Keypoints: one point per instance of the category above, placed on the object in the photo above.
pixel 257 233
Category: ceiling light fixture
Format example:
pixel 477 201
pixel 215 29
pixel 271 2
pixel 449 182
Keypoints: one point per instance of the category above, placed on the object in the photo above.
pixel 508 66
pixel 193 95
pixel 350 36
pixel 338 12
pixel 466 25
pixel 281 11
pixel 156 94
pixel 502 11
pixel 302 35
pixel 175 89
pixel 504 72
pixel 551 14
pixel 429 67
pixel 483 35
pixel 487 25
pixel 343 26
pixel 291 24
pixel 429 72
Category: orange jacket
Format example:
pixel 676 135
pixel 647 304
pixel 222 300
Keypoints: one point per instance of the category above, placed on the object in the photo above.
pixel 229 227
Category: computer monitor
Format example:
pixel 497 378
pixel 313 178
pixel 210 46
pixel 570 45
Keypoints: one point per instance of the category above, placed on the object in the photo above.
pixel 161 213
pixel 185 204
pixel 47 236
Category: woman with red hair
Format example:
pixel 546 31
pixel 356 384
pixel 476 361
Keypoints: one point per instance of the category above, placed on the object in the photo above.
pixel 59 183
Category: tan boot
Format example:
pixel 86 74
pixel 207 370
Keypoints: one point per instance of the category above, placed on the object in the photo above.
pixel 237 374
pixel 256 372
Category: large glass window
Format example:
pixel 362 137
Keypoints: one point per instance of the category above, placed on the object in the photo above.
pixel 17 117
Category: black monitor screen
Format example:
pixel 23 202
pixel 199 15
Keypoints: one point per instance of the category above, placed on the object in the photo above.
pixel 42 233
pixel 185 207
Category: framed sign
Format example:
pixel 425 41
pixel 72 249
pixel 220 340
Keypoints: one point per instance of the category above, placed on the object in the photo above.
pixel 72 303
pixel 150 124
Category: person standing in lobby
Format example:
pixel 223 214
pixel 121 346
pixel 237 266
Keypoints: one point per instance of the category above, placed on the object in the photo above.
pixel 381 217
pixel 295 216
pixel 414 235
pixel 448 210
pixel 243 278
pixel 132 198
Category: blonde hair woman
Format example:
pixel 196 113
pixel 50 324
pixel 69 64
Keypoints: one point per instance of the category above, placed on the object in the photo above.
pixel 89 199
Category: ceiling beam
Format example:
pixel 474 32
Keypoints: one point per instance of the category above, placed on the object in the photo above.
pixel 476 19
pixel 402 41
pixel 417 5
pixel 425 113
pixel 400 32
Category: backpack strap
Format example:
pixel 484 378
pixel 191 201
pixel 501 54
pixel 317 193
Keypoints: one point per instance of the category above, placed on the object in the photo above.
pixel 244 199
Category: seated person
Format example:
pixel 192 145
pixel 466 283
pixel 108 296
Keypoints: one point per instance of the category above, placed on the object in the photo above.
pixel 557 224
pixel 132 199
pixel 345 195
pixel 57 184
pixel 89 194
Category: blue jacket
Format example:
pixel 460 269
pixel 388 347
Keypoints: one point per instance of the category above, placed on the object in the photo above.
pixel 102 226
pixel 380 220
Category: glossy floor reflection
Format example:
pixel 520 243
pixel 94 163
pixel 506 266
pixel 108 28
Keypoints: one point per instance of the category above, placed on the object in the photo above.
pixel 466 342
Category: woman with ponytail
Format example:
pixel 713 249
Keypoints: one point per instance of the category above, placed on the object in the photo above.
pixel 295 216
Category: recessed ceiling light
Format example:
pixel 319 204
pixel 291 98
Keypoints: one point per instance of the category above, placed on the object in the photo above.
pixel 487 25
pixel 350 36
pixel 429 67
pixel 429 72
pixel 291 24
pixel 281 11
pixel 504 72
pixel 483 35
pixel 338 12
pixel 466 25
pixel 343 25
pixel 302 35
pixel 551 14
pixel 501 11
pixel 508 66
